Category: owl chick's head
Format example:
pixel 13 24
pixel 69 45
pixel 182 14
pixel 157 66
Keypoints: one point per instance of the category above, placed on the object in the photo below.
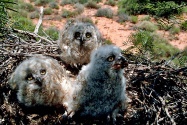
pixel 31 72
pixel 108 57
pixel 85 35
pixel 76 41
pixel 35 79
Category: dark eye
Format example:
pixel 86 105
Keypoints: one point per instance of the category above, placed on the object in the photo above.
pixel 110 58
pixel 29 77
pixel 77 35
pixel 88 35
pixel 42 71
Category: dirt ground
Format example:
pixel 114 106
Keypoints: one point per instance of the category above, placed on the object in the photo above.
pixel 110 28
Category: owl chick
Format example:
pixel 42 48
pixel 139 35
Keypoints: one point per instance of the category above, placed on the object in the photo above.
pixel 41 80
pixel 76 41
pixel 102 86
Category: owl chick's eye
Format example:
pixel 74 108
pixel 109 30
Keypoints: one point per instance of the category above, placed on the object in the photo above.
pixel 110 58
pixel 77 35
pixel 29 77
pixel 88 35
pixel 42 71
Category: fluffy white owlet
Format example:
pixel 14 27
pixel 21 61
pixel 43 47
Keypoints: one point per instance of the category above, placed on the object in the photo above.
pixel 77 40
pixel 102 86
pixel 41 80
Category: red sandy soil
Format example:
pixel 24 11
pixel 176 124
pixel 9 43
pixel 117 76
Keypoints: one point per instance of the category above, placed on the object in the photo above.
pixel 110 28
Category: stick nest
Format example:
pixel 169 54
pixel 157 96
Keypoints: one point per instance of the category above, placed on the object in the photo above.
pixel 157 92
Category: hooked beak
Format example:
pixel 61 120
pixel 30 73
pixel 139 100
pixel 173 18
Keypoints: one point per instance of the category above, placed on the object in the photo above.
pixel 81 43
pixel 120 63
pixel 38 81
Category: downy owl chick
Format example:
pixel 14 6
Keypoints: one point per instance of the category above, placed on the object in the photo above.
pixel 40 80
pixel 102 85
pixel 76 41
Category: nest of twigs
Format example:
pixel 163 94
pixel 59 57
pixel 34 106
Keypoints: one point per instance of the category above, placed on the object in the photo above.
pixel 157 91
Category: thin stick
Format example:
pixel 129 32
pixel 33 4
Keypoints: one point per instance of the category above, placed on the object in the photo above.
pixel 39 21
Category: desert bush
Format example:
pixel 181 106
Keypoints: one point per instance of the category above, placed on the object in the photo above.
pixel 86 1
pixel 85 19
pixel 4 17
pixel 53 5
pixel 92 4
pixel 34 15
pixel 184 25
pixel 129 7
pixel 52 32
pixel 133 19
pixel 23 13
pixel 174 29
pixel 158 8
pixel 110 2
pixel 152 45
pixel 23 23
pixel 79 8
pixel 146 18
pixel 48 11
pixel 147 25
pixel 41 2
pixel 27 6
pixel 67 14
pixel 65 2
pixel 106 41
pixel 104 12
pixel 122 17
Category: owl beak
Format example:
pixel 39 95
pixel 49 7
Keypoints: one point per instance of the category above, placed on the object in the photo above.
pixel 120 63
pixel 38 81
pixel 81 43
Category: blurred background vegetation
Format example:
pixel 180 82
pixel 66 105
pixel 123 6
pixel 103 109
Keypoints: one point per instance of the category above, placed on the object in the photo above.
pixel 17 14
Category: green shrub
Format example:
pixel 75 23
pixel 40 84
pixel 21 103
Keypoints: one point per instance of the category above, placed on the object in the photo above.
pixel 48 11
pixel 162 49
pixel 41 2
pixel 182 60
pixel 184 9
pixel 110 2
pixel 27 6
pixel 79 8
pixel 23 23
pixel 146 18
pixel 153 45
pixel 129 7
pixel 134 19
pixel 104 12
pixel 85 19
pixel 184 25
pixel 143 40
pixel 106 41
pixel 147 25
pixel 23 13
pixel 65 2
pixel 68 14
pixel 85 1
pixel 174 30
pixel 34 15
pixel 4 17
pixel 92 4
pixel 53 5
pixel 52 32
pixel 122 17
pixel 164 9
pixel 158 8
